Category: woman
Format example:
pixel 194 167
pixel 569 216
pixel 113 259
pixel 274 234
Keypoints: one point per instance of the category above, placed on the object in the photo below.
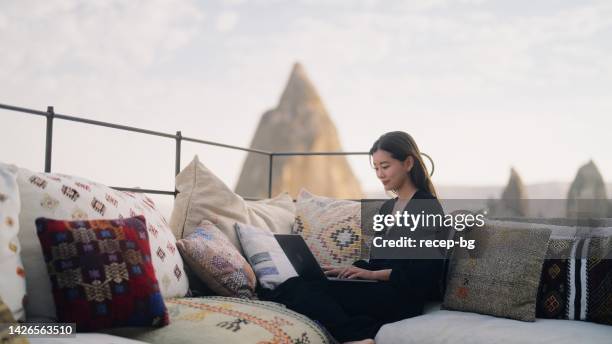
pixel 356 311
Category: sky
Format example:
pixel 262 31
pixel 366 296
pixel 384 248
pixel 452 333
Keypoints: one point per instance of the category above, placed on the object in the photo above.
pixel 481 85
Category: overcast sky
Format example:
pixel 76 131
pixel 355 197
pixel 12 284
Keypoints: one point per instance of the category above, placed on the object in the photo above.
pixel 481 85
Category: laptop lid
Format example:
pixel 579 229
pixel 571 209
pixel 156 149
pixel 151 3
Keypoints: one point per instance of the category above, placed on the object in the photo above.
pixel 304 262
pixel 300 256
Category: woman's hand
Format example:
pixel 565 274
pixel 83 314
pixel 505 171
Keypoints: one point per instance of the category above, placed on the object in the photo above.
pixel 349 272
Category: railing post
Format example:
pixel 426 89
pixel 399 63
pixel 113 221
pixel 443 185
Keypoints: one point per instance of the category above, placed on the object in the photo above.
pixel 177 166
pixel 270 175
pixel 49 139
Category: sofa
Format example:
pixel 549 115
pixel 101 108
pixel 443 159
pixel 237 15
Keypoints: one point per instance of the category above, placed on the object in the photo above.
pixel 196 316
pixel 28 197
pixel 443 326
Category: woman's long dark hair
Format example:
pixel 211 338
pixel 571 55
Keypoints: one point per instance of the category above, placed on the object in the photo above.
pixel 401 145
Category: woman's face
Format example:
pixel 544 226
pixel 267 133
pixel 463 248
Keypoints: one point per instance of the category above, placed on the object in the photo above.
pixel 391 172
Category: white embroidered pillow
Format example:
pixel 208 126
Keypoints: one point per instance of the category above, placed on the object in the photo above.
pixel 63 197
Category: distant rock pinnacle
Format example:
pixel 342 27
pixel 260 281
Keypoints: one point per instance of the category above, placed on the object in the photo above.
pixel 587 194
pixel 300 123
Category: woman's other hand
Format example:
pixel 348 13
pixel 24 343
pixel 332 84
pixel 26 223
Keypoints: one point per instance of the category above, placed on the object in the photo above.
pixel 349 272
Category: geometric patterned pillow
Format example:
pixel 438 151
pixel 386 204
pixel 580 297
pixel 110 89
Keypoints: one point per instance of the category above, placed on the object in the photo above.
pixel 330 227
pixel 217 262
pixel 58 196
pixel 101 273
pixel 578 288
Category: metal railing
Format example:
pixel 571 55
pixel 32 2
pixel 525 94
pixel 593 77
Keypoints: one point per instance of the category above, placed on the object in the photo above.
pixel 51 115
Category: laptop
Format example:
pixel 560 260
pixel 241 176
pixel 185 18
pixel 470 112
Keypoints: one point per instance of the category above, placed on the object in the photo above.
pixel 304 262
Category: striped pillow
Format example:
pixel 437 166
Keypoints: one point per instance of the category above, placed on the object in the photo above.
pixel 576 284
pixel 267 258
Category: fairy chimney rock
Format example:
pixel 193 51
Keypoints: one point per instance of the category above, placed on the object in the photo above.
pixel 300 123
pixel 514 198
pixel 587 194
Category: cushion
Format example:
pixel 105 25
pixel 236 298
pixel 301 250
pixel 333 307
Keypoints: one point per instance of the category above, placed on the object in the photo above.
pixel 369 208
pixel 89 338
pixel 203 196
pixel 576 278
pixel 559 221
pixel 501 275
pixel 101 273
pixel 6 319
pixel 577 285
pixel 269 261
pixel 197 287
pixel 230 320
pixel 330 227
pixel 65 197
pixel 12 283
pixel 217 262
pixel 445 326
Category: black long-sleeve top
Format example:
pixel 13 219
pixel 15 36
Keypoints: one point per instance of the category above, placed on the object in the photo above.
pixel 419 278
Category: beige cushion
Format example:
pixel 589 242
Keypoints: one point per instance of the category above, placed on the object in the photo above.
pixel 501 276
pixel 330 227
pixel 203 196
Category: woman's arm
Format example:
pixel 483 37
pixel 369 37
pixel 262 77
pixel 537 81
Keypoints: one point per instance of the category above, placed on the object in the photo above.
pixel 382 275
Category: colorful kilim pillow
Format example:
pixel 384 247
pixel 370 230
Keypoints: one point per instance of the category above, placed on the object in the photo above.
pixel 330 227
pixel 59 196
pixel 101 273
pixel 579 288
pixel 217 262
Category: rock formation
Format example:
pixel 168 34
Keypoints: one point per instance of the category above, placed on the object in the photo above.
pixel 587 194
pixel 514 196
pixel 300 123
pixel 513 200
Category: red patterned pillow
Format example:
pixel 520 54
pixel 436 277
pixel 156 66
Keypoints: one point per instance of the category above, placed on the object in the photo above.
pixel 101 273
